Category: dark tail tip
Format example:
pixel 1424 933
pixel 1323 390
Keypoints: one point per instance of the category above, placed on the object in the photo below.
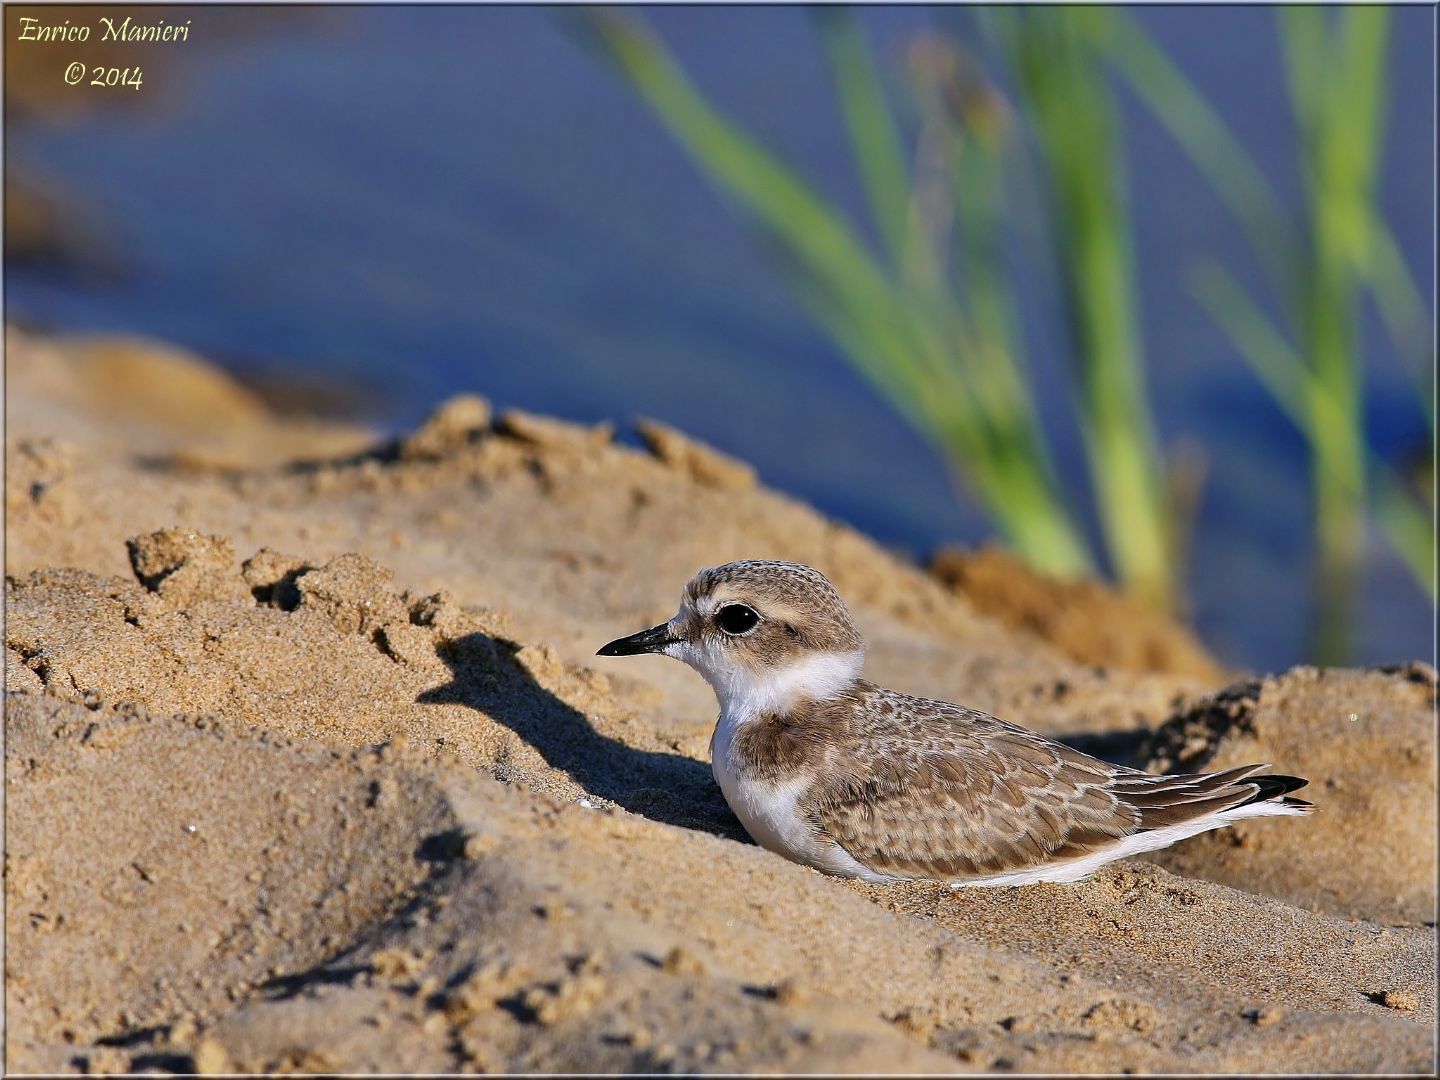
pixel 1273 787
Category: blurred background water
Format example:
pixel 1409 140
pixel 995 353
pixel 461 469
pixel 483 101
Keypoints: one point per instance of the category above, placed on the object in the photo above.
pixel 410 202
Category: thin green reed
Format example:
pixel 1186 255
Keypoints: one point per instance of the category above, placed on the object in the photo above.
pixel 1320 268
pixel 1057 62
pixel 948 369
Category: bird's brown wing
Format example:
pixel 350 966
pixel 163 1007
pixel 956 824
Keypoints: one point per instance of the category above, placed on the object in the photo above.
pixel 974 797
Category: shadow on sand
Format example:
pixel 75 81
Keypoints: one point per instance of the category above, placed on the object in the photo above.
pixel 662 786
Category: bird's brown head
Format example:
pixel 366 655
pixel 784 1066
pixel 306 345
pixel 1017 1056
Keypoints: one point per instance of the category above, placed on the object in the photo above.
pixel 766 630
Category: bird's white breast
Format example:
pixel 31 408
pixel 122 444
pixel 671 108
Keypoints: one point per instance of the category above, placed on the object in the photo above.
pixel 770 809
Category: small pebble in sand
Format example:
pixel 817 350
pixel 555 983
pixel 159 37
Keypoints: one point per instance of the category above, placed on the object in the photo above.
pixel 791 992
pixel 209 1058
pixel 1403 1000
pixel 395 965
pixel 917 1021
pixel 681 961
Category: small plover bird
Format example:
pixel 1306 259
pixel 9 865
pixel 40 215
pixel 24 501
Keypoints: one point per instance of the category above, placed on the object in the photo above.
pixel 832 771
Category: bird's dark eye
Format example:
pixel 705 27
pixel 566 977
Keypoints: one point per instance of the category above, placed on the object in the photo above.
pixel 736 618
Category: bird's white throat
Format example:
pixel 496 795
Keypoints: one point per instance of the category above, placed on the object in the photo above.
pixel 745 692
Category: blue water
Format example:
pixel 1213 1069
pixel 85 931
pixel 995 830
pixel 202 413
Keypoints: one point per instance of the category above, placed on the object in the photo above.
pixel 422 200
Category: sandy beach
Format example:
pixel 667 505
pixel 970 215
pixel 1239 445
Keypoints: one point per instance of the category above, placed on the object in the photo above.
pixel 310 766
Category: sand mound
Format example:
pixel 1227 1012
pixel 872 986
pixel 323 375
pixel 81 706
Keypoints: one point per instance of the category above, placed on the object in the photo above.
pixel 1367 741
pixel 1086 620
pixel 159 400
pixel 171 884
pixel 433 832
pixel 335 653
pixel 130 943
pixel 375 909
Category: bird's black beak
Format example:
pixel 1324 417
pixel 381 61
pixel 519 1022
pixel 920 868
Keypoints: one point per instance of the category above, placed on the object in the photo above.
pixel 646 641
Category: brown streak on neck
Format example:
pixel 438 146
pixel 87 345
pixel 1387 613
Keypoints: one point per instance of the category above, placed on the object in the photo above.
pixel 776 747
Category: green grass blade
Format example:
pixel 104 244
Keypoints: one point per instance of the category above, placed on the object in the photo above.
pixel 1410 527
pixel 1279 368
pixel 1305 51
pixel 1211 146
pixel 1056 63
pixel 790 208
pixel 963 131
pixel 1258 341
pixel 901 342
pixel 1402 309
pixel 813 235
pixel 1336 90
pixel 871 127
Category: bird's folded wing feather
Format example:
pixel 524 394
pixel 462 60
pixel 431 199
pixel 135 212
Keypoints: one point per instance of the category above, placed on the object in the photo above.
pixel 975 796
